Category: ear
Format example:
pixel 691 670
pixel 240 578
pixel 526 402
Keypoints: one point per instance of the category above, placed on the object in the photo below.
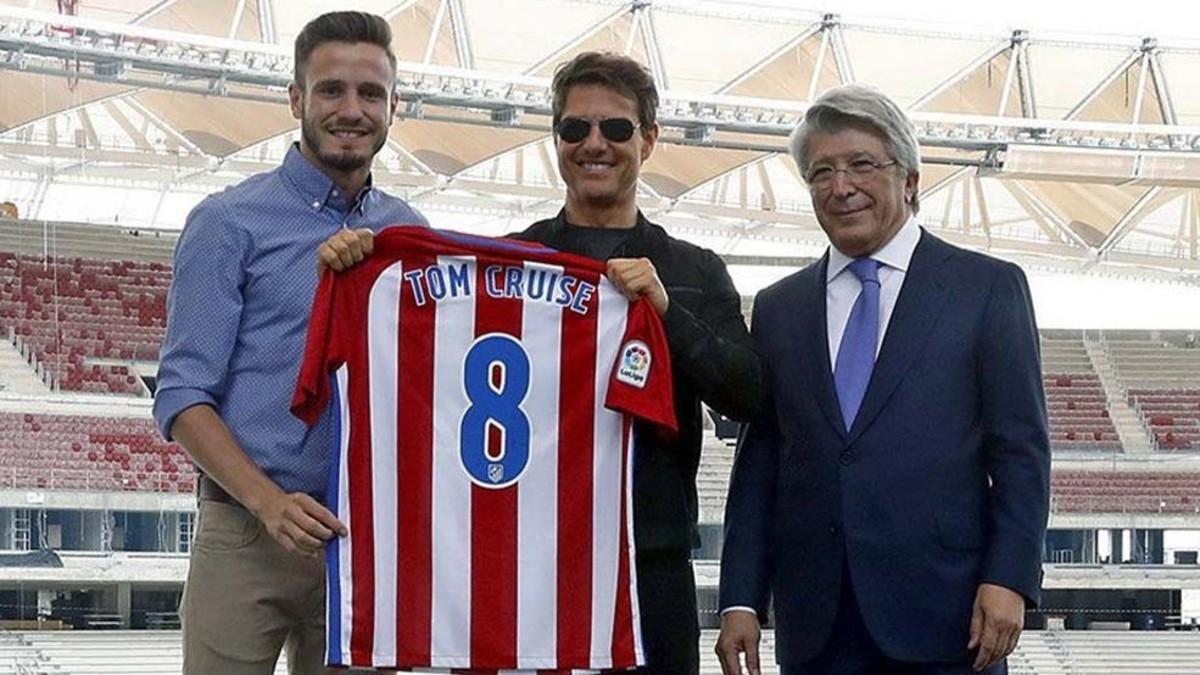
pixel 912 183
pixel 649 139
pixel 395 107
pixel 296 100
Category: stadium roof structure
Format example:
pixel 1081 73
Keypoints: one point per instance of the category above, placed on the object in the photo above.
pixel 1055 150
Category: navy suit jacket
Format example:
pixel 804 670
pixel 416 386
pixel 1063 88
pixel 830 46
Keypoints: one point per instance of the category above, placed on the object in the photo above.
pixel 942 482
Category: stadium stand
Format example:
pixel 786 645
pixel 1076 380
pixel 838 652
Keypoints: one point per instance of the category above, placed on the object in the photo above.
pixel 1039 653
pixel 1075 398
pixel 85 322
pixel 1110 652
pixel 97 653
pixel 1172 415
pixel 1125 492
pixel 1162 381
pixel 78 315
pixel 712 480
pixel 72 452
pixel 1073 491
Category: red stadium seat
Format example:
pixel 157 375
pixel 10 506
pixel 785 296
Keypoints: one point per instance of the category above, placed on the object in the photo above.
pixel 72 452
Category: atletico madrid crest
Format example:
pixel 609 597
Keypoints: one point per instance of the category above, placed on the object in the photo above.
pixel 495 473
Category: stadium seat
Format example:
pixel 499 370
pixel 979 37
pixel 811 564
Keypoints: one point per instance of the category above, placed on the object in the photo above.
pixel 77 452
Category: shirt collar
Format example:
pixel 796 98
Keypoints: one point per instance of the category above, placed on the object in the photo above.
pixel 897 253
pixel 318 189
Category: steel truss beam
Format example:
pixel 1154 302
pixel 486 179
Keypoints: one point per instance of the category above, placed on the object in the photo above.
pixel 136 56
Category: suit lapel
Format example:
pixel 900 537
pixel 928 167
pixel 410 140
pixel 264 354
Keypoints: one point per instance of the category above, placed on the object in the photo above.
pixel 810 331
pixel 913 319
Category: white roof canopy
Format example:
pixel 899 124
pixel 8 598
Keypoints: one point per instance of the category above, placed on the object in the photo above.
pixel 1078 152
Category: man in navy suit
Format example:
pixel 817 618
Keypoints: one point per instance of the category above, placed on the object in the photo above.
pixel 893 500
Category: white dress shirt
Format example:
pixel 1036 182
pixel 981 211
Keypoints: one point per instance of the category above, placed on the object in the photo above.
pixel 842 289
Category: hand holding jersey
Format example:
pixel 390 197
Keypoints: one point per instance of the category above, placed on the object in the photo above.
pixel 636 277
pixel 345 249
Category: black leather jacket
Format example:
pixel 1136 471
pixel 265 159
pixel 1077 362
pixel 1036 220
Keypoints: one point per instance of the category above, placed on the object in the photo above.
pixel 713 360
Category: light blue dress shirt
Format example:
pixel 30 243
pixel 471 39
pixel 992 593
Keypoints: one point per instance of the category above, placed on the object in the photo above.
pixel 237 312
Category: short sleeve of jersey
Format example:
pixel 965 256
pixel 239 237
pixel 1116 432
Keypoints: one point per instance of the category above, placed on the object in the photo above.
pixel 640 382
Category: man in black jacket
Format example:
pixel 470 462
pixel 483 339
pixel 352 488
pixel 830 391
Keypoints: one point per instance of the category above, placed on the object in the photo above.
pixel 604 109
pixel 604 129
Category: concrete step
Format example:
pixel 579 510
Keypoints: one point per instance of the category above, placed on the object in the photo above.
pixel 16 374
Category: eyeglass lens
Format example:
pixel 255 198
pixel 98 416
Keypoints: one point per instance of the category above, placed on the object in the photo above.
pixel 575 129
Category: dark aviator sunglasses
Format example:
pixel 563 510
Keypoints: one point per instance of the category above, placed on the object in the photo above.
pixel 615 129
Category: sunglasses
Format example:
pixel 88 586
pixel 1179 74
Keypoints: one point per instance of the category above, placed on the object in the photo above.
pixel 615 129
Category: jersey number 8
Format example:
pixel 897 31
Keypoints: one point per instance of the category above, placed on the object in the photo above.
pixel 494 431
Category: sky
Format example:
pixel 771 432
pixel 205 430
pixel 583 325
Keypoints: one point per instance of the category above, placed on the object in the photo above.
pixel 1175 21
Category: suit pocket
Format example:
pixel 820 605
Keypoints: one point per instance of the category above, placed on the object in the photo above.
pixel 959 533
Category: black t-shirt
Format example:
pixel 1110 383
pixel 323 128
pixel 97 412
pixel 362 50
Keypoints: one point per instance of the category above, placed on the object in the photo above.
pixel 597 243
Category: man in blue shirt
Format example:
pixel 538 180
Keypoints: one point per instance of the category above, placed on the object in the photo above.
pixel 238 314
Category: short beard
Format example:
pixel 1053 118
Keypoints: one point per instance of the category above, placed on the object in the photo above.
pixel 337 161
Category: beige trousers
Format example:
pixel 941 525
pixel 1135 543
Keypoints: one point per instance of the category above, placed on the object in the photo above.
pixel 246 598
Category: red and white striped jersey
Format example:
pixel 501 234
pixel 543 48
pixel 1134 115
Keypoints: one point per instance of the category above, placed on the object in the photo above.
pixel 484 391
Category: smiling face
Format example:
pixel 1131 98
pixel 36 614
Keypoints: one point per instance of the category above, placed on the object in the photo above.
pixel 860 214
pixel 601 175
pixel 345 106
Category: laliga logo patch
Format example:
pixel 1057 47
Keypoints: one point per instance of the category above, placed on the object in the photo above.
pixel 635 364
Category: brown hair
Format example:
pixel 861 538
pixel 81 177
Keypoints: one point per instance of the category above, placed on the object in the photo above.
pixel 342 27
pixel 618 72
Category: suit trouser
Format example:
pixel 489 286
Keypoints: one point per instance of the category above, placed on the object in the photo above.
pixel 670 626
pixel 851 650
pixel 246 598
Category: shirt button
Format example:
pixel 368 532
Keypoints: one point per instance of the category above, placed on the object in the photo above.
pixel 847 457
pixel 316 205
pixel 834 530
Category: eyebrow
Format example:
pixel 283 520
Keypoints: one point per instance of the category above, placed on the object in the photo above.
pixel 862 154
pixel 334 82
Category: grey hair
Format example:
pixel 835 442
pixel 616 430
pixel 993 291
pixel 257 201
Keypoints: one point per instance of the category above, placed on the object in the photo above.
pixel 854 106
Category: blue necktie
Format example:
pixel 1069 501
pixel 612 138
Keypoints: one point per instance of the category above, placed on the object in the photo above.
pixel 856 355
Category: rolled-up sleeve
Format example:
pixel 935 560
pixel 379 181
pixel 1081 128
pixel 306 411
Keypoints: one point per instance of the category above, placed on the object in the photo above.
pixel 204 310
